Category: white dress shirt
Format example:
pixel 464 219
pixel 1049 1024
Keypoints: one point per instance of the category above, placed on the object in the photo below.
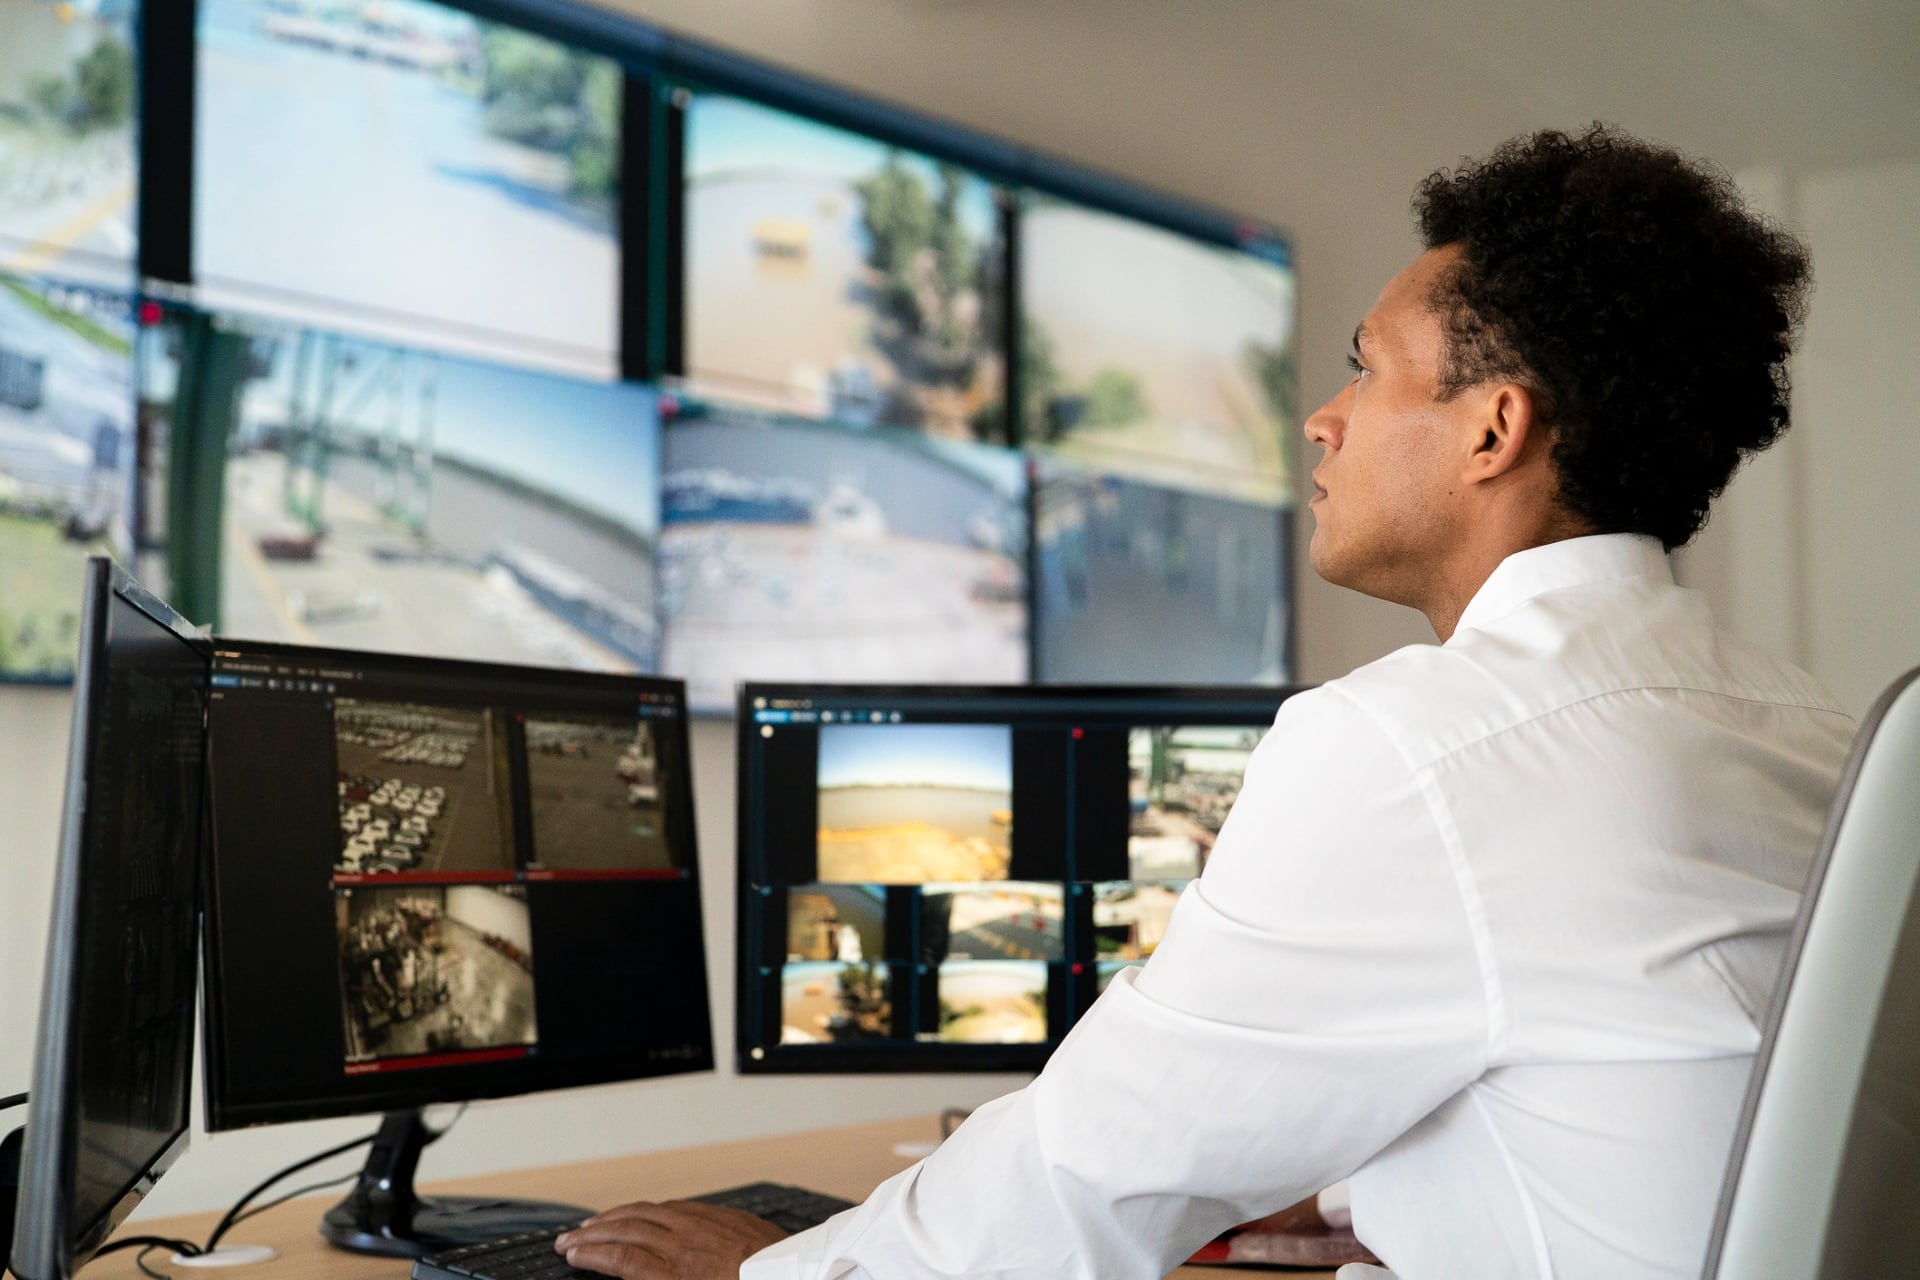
pixel 1490 931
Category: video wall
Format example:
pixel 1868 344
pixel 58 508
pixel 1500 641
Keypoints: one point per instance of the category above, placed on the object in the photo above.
pixel 460 337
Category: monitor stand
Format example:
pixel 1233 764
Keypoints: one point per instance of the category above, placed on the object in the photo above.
pixel 383 1215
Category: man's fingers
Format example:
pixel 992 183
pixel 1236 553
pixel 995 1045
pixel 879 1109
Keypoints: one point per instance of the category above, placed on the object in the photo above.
pixel 615 1258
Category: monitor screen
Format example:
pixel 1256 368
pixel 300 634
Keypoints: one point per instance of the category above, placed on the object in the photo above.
pixel 1163 358
pixel 411 172
pixel 796 550
pixel 389 498
pixel 113 1069
pixel 435 881
pixel 67 156
pixel 944 879
pixel 1142 583
pixel 66 460
pixel 830 275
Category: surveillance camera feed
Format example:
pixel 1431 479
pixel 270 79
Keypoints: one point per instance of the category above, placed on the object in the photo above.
pixel 1139 583
pixel 389 498
pixel 67 155
pixel 910 803
pixel 452 871
pixel 794 550
pixel 983 860
pixel 1149 354
pixel 832 276
pixel 66 460
pixel 491 155
pixel 434 969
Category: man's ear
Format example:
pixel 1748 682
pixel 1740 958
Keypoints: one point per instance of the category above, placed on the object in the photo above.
pixel 1502 423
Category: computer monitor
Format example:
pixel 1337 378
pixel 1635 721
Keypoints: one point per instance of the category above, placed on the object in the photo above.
pixel 945 878
pixel 112 1076
pixel 435 881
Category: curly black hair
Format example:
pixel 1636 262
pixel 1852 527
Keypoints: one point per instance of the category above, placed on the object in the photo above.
pixel 1650 313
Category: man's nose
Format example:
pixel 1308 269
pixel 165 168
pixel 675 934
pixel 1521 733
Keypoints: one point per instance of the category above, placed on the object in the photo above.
pixel 1325 424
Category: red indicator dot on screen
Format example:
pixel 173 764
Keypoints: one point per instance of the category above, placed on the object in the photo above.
pixel 1078 733
pixel 150 313
pixel 1079 969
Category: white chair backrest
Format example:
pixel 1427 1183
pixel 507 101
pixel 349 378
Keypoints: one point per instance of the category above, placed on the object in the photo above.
pixel 1824 1179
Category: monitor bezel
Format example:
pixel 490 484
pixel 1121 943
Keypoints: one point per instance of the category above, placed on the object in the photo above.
pixel 913 1058
pixel 387 1092
pixel 48 1244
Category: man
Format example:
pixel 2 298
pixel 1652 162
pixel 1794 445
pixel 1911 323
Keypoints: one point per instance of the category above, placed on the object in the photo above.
pixel 1493 925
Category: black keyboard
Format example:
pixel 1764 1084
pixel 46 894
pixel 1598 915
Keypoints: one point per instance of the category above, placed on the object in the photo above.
pixel 530 1256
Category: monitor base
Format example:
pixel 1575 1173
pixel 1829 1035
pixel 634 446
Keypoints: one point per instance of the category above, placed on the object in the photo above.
pixel 446 1222
pixel 383 1215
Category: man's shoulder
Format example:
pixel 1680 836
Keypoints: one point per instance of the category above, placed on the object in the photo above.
pixel 1561 655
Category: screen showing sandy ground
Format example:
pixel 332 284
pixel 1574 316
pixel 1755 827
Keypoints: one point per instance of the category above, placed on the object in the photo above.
pixel 912 803
pixel 831 1002
pixel 1183 780
pixel 434 970
pixel 993 1002
pixel 832 276
pixel 66 461
pixel 1129 918
pixel 489 154
pixel 597 793
pixel 67 163
pixel 1013 920
pixel 422 788
pixel 843 922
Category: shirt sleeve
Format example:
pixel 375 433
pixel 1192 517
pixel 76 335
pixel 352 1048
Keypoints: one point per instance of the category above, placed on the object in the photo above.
pixel 1317 993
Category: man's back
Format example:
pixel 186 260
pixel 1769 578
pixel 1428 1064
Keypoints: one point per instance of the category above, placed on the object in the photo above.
pixel 1629 801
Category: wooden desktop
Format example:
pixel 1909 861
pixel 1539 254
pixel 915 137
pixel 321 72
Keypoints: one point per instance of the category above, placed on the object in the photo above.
pixel 847 1161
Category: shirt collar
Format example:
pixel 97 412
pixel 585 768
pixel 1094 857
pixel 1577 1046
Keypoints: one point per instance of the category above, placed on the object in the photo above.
pixel 1573 562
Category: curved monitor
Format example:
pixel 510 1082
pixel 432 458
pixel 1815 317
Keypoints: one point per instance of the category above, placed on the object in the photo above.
pixel 944 878
pixel 112 1077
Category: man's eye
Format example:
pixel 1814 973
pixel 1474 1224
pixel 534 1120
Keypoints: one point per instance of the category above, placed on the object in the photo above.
pixel 1353 363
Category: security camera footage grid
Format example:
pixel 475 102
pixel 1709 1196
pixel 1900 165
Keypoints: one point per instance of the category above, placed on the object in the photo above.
pixel 898 800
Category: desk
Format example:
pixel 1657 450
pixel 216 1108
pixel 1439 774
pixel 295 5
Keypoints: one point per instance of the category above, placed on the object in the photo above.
pixel 848 1161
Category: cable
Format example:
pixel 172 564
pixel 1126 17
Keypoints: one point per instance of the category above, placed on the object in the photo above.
pixel 140 1261
pixel 233 1214
pixel 277 1201
pixel 12 1100
pixel 187 1247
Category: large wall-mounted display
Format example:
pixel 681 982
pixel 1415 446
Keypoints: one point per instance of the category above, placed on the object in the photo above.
pixel 407 171
pixel 418 289
pixel 792 547
pixel 67 161
pixel 830 275
pixel 1156 356
pixel 388 498
pixel 66 462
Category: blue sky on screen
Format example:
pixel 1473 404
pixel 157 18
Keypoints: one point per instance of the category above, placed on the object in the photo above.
pixel 730 134
pixel 975 756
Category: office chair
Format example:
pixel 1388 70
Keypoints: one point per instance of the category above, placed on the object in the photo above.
pixel 1824 1179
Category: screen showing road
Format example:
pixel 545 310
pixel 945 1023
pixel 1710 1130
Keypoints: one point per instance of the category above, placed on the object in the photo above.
pixel 411 172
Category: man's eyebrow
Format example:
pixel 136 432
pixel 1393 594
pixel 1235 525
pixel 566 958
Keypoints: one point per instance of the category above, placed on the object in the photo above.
pixel 1361 331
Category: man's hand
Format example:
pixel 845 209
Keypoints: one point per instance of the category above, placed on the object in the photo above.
pixel 679 1240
